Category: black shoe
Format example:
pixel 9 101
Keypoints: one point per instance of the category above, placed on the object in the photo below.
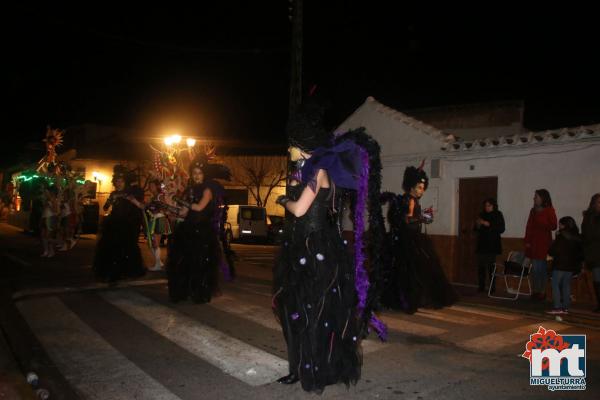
pixel 288 379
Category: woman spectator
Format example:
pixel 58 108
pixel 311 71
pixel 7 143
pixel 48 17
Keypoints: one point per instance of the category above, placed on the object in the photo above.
pixel 567 255
pixel 489 227
pixel 590 230
pixel 538 238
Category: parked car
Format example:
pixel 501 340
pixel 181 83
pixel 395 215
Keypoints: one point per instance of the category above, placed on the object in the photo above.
pixel 246 223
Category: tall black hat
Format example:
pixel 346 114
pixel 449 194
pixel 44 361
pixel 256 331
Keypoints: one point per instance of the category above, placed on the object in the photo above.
pixel 306 128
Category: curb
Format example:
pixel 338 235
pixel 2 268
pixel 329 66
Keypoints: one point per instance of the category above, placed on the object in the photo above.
pixel 572 318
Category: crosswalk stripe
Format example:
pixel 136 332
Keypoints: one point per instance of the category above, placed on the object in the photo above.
pixel 234 357
pixel 448 317
pixel 400 325
pixel 264 317
pixel 411 328
pixel 90 364
pixel 486 313
pixel 494 341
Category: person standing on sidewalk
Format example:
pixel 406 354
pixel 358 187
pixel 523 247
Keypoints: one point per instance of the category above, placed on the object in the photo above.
pixel 538 238
pixel 590 230
pixel 489 227
pixel 567 254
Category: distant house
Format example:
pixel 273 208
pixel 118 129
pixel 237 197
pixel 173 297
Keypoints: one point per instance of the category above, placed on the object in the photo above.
pixel 469 160
pixel 93 150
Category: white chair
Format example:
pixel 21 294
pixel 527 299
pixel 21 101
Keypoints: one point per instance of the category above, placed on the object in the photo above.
pixel 516 266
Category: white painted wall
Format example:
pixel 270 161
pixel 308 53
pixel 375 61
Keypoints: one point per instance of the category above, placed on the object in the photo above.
pixel 569 170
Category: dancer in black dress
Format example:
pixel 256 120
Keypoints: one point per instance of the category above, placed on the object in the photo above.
pixel 416 278
pixel 117 252
pixel 322 295
pixel 194 249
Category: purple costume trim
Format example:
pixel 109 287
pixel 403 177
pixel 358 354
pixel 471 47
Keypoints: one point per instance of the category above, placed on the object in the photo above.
pixel 361 279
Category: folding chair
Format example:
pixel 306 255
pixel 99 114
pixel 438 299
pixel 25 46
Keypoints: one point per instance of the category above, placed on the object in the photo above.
pixel 516 266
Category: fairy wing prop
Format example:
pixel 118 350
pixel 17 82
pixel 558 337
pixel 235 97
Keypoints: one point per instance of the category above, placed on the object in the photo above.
pixel 342 162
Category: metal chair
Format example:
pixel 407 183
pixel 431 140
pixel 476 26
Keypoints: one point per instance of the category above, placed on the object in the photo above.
pixel 516 266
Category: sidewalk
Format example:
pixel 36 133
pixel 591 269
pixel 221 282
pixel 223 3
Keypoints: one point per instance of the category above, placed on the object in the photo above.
pixel 578 314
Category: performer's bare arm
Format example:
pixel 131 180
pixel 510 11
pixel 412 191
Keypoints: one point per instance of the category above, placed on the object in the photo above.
pixel 301 206
pixel 410 215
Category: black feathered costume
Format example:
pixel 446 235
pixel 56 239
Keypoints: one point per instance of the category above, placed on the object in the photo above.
pixel 321 293
pixel 416 278
pixel 194 249
pixel 117 252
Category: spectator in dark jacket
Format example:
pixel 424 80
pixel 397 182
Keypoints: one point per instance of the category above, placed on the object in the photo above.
pixel 567 254
pixel 590 230
pixel 538 238
pixel 489 227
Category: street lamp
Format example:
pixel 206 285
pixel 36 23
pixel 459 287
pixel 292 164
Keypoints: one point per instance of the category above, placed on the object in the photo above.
pixel 191 142
pixel 98 178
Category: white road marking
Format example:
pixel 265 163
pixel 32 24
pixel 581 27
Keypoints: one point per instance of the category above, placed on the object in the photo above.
pixel 494 341
pixel 92 365
pixel 264 316
pixel 409 327
pixel 18 260
pixel 448 317
pixel 486 313
pixel 234 357
pixel 74 289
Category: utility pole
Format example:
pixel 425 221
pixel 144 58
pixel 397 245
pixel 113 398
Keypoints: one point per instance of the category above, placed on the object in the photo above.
pixel 296 11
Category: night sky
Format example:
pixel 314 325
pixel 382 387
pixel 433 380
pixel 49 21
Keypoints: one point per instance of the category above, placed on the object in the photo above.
pixel 221 71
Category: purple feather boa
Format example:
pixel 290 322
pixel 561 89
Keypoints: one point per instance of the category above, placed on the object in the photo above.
pixel 379 327
pixel 361 280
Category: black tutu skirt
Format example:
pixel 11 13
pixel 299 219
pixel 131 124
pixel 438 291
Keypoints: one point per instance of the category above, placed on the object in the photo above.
pixel 417 278
pixel 117 252
pixel 192 263
pixel 315 301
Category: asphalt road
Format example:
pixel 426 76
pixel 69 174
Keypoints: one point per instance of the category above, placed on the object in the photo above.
pixel 129 342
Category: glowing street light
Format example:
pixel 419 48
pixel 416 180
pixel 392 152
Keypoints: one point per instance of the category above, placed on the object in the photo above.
pixel 176 139
pixel 191 142
pixel 168 141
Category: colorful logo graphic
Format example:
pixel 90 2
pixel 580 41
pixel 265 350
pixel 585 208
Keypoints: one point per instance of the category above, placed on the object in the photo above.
pixel 556 361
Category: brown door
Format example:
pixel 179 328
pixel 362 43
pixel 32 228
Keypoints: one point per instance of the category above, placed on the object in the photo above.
pixel 472 192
